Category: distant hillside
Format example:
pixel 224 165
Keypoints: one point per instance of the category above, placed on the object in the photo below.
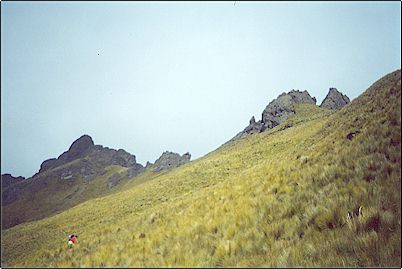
pixel 83 172
pixel 321 188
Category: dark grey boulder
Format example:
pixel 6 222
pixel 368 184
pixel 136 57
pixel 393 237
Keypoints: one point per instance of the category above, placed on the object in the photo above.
pixel 334 100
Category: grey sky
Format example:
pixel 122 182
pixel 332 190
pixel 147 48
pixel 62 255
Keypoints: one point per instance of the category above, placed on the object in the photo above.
pixel 174 76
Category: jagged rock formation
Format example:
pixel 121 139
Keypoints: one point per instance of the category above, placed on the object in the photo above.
pixel 85 147
pixel 65 180
pixel 148 165
pixel 277 111
pixel 8 180
pixel 169 160
pixel 87 160
pixel 335 100
pixel 281 108
pixel 10 188
pixel 166 161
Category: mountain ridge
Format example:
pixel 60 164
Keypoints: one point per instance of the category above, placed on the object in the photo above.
pixel 279 109
pixel 278 198
pixel 82 172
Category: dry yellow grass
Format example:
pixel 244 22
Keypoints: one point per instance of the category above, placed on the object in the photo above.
pixel 278 198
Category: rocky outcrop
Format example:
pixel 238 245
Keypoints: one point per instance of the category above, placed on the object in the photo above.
pixel 70 172
pixel 166 161
pixel 335 100
pixel 281 108
pixel 254 127
pixel 78 149
pixel 276 112
pixel 106 156
pixel 90 159
pixel 148 165
pixel 11 188
pixel 85 160
pixel 8 180
pixel 169 160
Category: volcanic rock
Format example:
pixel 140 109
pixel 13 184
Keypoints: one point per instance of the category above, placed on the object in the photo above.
pixel 8 180
pixel 281 108
pixel 276 112
pixel 335 100
pixel 169 160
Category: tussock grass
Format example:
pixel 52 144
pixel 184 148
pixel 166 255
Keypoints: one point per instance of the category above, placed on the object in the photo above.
pixel 278 198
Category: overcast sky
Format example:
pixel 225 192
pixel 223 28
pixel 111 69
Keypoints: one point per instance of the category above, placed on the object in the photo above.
pixel 174 76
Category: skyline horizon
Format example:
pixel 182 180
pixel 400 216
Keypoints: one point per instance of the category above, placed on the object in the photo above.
pixel 181 153
pixel 181 76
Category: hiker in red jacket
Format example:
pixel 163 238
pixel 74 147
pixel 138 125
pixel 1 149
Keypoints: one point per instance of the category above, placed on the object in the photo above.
pixel 72 240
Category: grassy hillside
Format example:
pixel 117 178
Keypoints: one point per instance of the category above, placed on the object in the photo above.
pixel 278 198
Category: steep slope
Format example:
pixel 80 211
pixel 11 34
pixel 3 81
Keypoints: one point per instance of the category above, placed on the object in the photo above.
pixel 277 198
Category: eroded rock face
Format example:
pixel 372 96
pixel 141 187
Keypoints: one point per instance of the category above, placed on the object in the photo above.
pixel 85 160
pixel 96 155
pixel 281 108
pixel 82 162
pixel 335 100
pixel 10 188
pixel 78 149
pixel 169 160
pixel 8 180
pixel 276 112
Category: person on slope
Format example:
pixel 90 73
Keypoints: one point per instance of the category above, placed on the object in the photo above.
pixel 72 240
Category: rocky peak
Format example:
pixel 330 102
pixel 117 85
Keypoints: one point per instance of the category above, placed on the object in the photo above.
pixel 96 157
pixel 334 100
pixel 281 108
pixel 169 160
pixel 123 158
pixel 148 165
pixel 252 120
pixel 277 111
pixel 8 180
pixel 82 144
pixel 78 149
pixel 301 97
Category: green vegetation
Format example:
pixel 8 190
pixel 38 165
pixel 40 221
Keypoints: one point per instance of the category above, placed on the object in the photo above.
pixel 278 198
